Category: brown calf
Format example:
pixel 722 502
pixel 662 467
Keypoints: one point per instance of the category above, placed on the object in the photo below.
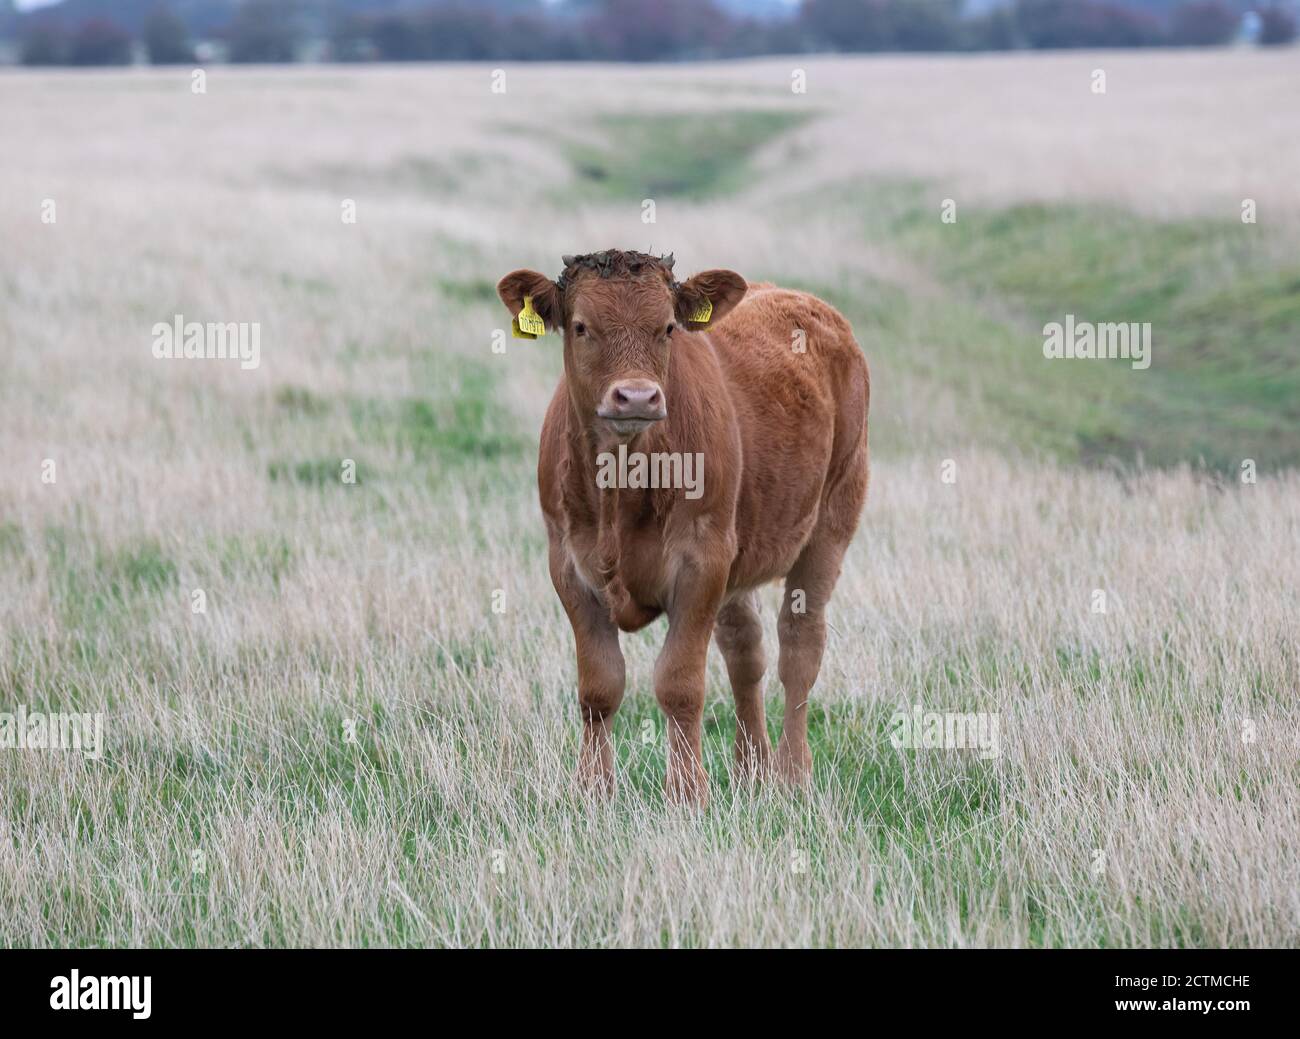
pixel 769 391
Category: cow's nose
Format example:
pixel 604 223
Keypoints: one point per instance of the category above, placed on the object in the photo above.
pixel 634 399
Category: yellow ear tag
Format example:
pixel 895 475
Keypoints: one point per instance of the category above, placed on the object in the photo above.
pixel 702 312
pixel 528 324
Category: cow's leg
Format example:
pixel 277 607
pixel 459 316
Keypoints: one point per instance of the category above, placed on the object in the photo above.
pixel 802 630
pixel 802 626
pixel 739 635
pixel 679 671
pixel 601 675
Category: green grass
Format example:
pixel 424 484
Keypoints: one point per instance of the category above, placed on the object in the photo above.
pixel 313 472
pixel 467 291
pixel 296 400
pixel 462 424
pixel 696 155
pixel 1224 382
pixel 258 557
pixel 11 540
pixel 455 421
pixel 296 776
pixel 93 586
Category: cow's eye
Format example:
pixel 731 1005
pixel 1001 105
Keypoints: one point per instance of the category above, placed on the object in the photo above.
pixel 579 329
pixel 669 330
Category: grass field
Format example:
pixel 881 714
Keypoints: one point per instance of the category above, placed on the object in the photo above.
pixel 351 747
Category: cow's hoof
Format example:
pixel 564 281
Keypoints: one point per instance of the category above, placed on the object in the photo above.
pixel 794 765
pixel 689 789
pixel 596 783
pixel 752 764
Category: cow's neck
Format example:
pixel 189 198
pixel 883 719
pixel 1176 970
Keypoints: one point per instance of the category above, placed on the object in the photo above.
pixel 587 442
pixel 608 505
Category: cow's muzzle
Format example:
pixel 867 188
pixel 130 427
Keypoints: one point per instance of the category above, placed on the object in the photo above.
pixel 631 405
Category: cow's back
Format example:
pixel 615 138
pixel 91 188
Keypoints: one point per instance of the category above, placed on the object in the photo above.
pixel 800 387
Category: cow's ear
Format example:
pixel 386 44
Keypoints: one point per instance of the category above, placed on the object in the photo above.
pixel 708 297
pixel 545 293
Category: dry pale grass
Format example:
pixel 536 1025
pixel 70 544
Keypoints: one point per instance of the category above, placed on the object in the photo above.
pixel 1174 134
pixel 1125 808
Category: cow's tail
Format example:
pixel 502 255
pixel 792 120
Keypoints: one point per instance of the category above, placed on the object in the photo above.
pixel 846 482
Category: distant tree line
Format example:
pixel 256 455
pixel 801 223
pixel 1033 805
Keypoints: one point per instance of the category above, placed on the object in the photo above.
pixel 645 30
pixel 47 40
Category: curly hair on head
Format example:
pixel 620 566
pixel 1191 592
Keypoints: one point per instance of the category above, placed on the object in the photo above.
pixel 614 263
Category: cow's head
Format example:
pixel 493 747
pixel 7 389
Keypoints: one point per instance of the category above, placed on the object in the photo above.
pixel 618 312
